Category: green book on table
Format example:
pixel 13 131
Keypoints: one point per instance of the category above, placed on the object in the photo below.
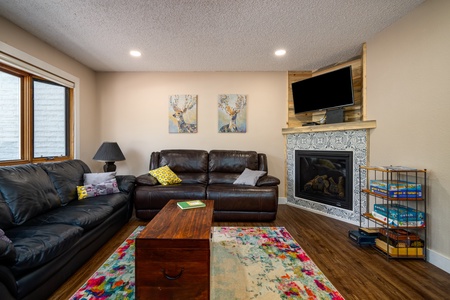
pixel 191 204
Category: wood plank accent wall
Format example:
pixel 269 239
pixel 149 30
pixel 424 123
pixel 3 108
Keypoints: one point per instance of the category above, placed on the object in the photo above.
pixel 352 113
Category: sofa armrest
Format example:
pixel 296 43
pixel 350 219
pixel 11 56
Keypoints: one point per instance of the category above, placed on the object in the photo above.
pixel 146 179
pixel 7 282
pixel 268 180
pixel 126 183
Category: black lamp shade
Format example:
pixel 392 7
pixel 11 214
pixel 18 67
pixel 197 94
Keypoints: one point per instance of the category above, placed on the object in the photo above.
pixel 109 152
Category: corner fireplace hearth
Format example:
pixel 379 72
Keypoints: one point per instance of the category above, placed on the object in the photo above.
pixel 325 177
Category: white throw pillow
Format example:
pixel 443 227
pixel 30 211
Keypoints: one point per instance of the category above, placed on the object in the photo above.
pixel 96 178
pixel 249 177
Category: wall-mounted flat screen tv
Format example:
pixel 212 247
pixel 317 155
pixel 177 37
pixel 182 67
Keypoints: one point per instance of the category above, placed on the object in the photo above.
pixel 322 92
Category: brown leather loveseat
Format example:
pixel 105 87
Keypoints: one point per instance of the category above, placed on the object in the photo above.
pixel 210 176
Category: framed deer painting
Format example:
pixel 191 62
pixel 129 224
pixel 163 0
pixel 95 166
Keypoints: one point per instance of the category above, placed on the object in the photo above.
pixel 233 113
pixel 183 114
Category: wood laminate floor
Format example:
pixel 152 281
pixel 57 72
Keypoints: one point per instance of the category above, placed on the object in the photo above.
pixel 357 272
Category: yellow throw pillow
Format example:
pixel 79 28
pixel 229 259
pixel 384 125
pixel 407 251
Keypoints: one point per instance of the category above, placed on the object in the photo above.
pixel 165 176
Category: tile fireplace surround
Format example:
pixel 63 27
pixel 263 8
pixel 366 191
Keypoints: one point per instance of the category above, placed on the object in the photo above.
pixel 341 140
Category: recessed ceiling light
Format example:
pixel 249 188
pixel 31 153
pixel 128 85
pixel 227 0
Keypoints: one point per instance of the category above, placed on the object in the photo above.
pixel 135 53
pixel 280 52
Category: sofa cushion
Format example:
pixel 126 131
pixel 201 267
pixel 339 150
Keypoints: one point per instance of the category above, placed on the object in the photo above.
pixel 77 213
pixel 185 161
pixel 249 177
pixel 66 176
pixel 225 166
pixel 96 178
pixel 115 201
pixel 146 179
pixel 191 166
pixel 231 161
pixel 155 197
pixel 28 191
pixel 37 245
pixel 231 197
pixel 165 176
pixel 98 189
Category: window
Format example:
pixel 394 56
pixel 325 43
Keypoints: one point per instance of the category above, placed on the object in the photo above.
pixel 35 118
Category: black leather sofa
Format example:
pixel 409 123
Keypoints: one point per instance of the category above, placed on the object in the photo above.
pixel 52 232
pixel 210 176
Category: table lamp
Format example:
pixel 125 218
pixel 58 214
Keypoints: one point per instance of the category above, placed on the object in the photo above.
pixel 109 152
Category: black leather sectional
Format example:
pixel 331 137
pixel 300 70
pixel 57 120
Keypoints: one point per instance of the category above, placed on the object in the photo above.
pixel 52 232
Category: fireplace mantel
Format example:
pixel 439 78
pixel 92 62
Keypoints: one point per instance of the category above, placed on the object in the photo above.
pixel 370 124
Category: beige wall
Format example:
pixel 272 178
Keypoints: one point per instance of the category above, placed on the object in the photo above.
pixel 87 106
pixel 135 106
pixel 408 94
pixel 408 90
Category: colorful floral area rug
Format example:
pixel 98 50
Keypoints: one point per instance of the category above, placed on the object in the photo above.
pixel 115 278
pixel 247 263
pixel 264 263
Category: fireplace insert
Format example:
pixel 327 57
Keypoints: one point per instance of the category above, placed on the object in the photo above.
pixel 325 177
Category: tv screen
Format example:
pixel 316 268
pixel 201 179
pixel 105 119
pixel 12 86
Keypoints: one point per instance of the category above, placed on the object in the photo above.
pixel 325 91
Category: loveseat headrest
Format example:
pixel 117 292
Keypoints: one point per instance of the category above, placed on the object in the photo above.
pixel 191 166
pixel 184 161
pixel 232 161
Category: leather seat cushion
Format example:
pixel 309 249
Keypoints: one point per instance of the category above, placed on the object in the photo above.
pixel 37 245
pixel 155 197
pixel 231 197
pixel 115 201
pixel 77 213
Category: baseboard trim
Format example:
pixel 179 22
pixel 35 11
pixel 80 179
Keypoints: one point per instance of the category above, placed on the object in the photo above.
pixel 282 200
pixel 439 260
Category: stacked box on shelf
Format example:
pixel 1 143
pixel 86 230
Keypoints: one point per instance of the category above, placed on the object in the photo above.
pixel 400 238
pixel 397 223
pixel 396 189
pixel 399 212
pixel 399 251
pixel 362 238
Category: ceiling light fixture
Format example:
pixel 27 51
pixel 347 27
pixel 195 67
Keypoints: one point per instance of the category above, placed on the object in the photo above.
pixel 135 53
pixel 280 52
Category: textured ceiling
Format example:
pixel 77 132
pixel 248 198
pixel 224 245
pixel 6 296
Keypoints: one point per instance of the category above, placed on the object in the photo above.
pixel 206 35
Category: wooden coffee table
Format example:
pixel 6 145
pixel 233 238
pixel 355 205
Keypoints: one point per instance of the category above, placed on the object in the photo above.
pixel 173 254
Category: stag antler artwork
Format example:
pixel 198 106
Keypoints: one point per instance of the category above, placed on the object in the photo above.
pixel 189 102
pixel 232 111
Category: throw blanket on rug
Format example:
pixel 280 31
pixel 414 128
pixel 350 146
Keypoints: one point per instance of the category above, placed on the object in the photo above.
pixel 247 263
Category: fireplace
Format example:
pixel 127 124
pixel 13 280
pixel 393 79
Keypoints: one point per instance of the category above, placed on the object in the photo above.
pixel 355 141
pixel 325 177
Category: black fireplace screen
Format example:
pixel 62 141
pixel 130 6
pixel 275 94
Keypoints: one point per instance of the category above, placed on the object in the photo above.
pixel 325 177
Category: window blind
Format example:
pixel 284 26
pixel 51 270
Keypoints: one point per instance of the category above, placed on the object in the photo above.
pixel 27 67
